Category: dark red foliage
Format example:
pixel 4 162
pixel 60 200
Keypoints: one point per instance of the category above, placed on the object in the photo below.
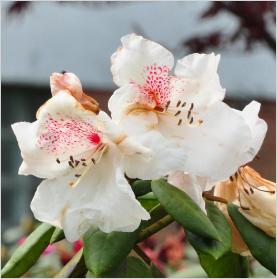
pixel 18 7
pixel 254 20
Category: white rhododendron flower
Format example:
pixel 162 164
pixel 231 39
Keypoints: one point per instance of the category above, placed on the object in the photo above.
pixel 185 109
pixel 81 154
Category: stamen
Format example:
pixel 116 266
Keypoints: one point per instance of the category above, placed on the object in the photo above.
pixel 71 158
pixel 82 159
pixel 76 163
pixel 178 104
pixel 245 190
pixel 251 185
pixel 84 164
pixel 189 113
pixel 184 104
pixel 70 164
pixel 191 106
pixel 167 105
pixel 58 161
pixel 77 175
pixel 93 161
pixel 177 113
pixel 244 208
pixel 180 122
pixel 191 120
pixel 251 190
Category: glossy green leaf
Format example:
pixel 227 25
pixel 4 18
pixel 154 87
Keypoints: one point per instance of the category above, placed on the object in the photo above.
pixel 131 267
pixel 27 254
pixel 229 265
pixel 75 268
pixel 141 187
pixel 262 246
pixel 57 235
pixel 183 209
pixel 104 252
pixel 209 246
pixel 148 201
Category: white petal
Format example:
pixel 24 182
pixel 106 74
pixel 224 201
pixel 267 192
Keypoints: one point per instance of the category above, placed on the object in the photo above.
pixel 120 100
pixel 258 129
pixel 36 161
pixel 166 156
pixel 197 79
pixel 129 61
pixel 63 129
pixel 191 185
pixel 102 198
pixel 217 147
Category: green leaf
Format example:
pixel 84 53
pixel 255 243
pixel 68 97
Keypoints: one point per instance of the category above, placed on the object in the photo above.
pixel 75 268
pixel 229 265
pixel 262 246
pixel 131 267
pixel 57 235
pixel 27 254
pixel 141 187
pixel 105 251
pixel 148 201
pixel 209 246
pixel 183 209
pixel 156 273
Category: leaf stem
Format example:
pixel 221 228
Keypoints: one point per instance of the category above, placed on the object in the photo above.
pixel 211 197
pixel 141 253
pixel 148 231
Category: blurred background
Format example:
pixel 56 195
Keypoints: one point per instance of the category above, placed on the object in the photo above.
pixel 39 38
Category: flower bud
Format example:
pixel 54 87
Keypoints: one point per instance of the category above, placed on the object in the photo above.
pixel 70 82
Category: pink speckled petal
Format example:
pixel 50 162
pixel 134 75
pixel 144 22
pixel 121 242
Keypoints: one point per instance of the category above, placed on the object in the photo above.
pixel 63 134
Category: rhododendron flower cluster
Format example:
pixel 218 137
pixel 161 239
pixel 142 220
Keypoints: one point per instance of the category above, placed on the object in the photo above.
pixel 163 123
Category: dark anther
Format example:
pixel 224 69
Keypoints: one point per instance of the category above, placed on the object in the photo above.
pixel 180 122
pixel 177 113
pixel 77 175
pixel 191 120
pixel 58 161
pixel 76 163
pixel 246 191
pixel 178 104
pixel 189 113
pixel 167 105
pixel 70 164
pixel 251 190
pixel 83 159
pixel 184 104
pixel 93 161
pixel 71 159
pixel 191 106
pixel 84 164
pixel 63 72
pixel 244 208
pixel 231 178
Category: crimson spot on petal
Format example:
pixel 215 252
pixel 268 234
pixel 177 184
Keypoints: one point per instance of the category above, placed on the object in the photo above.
pixel 94 138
